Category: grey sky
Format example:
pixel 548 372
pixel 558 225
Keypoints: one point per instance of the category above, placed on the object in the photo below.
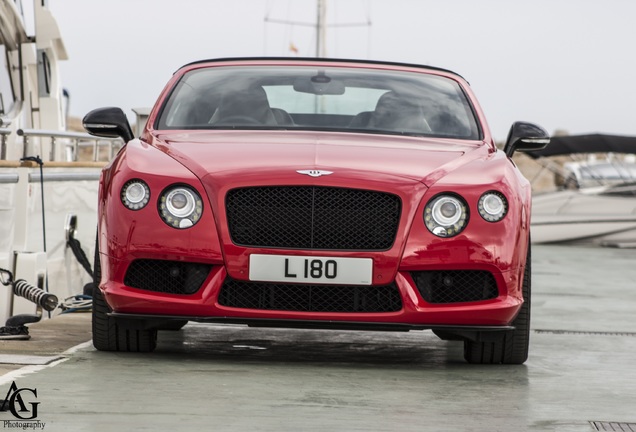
pixel 564 64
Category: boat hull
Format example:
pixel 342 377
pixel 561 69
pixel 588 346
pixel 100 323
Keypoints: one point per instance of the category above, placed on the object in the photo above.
pixel 68 191
pixel 579 217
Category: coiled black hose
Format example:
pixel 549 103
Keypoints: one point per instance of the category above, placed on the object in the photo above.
pixel 34 294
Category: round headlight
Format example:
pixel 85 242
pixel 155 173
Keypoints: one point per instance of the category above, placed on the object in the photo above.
pixel 180 206
pixel 135 194
pixel 446 215
pixel 180 203
pixel 493 206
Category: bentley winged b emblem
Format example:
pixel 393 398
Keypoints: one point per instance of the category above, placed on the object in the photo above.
pixel 314 173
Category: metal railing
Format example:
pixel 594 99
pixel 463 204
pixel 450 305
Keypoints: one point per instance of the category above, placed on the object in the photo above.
pixel 9 178
pixel 72 140
pixel 4 133
pixel 63 177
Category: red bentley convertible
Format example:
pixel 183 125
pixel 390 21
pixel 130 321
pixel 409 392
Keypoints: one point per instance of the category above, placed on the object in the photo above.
pixel 315 193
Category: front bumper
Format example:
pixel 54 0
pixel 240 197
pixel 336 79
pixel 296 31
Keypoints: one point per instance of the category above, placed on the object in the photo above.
pixel 414 312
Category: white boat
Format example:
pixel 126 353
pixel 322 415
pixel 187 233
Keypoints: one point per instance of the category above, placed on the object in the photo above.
pixel 597 200
pixel 41 205
pixel 44 206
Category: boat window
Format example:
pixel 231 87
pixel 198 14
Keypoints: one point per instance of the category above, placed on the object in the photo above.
pixel 6 92
pixel 44 74
pixel 334 98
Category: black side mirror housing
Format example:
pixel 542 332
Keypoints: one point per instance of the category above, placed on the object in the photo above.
pixel 526 137
pixel 108 123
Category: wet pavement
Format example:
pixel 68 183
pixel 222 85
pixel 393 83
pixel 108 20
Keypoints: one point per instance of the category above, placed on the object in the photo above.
pixel 581 370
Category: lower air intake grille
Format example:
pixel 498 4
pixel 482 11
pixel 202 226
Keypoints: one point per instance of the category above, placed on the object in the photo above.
pixel 455 286
pixel 172 277
pixel 310 298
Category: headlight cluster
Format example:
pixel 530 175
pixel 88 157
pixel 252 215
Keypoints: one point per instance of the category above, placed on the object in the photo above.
pixel 135 194
pixel 179 206
pixel 493 206
pixel 447 215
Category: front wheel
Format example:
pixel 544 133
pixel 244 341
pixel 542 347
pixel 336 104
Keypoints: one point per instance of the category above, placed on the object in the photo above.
pixel 510 347
pixel 107 334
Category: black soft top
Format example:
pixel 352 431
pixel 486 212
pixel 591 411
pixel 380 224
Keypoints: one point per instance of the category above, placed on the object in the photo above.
pixel 326 60
pixel 590 143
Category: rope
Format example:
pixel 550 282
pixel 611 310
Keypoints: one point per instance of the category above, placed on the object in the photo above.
pixel 78 303
pixel 14 333
pixel 39 161
pixel 76 247
pixel 6 277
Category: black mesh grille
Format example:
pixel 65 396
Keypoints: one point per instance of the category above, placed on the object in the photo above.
pixel 173 277
pixel 307 217
pixel 455 286
pixel 310 298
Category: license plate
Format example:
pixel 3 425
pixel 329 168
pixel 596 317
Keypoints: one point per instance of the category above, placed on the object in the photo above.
pixel 311 269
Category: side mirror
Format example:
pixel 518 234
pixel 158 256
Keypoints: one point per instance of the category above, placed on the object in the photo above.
pixel 108 123
pixel 526 137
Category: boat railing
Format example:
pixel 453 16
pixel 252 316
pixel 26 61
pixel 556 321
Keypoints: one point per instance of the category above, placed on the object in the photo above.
pixel 4 133
pixel 73 142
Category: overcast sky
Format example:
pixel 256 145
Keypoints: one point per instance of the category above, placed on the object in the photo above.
pixel 564 64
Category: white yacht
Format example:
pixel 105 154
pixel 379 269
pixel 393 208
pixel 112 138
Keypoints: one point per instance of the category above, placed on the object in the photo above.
pixel 596 202
pixel 42 205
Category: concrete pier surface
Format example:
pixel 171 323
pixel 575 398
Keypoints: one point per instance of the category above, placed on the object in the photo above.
pixel 581 374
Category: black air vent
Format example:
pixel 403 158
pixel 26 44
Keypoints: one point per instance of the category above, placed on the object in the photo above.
pixel 173 277
pixel 455 286
pixel 310 298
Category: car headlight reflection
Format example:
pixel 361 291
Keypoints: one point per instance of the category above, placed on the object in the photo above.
pixel 180 207
pixel 135 194
pixel 446 215
pixel 493 206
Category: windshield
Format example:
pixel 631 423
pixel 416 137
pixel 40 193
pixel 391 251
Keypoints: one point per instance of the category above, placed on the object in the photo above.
pixel 343 99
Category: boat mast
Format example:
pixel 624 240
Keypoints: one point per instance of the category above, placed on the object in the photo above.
pixel 321 46
pixel 320 26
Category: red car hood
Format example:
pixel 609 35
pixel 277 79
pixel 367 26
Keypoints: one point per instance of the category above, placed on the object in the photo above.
pixel 274 153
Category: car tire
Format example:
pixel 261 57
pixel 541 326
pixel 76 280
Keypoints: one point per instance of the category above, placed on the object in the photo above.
pixel 107 334
pixel 510 347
